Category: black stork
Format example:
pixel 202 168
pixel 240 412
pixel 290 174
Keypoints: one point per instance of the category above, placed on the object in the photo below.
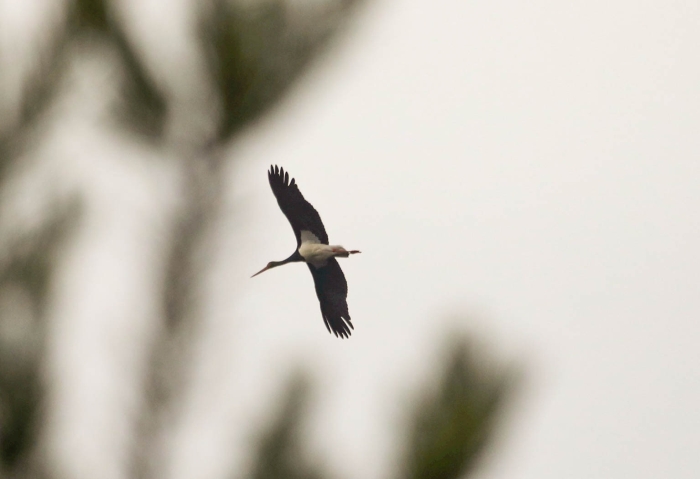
pixel 314 250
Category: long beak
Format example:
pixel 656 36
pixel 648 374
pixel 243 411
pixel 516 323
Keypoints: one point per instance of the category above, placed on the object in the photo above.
pixel 261 271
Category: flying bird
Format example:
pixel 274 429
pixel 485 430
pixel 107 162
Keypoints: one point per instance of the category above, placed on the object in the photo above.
pixel 314 250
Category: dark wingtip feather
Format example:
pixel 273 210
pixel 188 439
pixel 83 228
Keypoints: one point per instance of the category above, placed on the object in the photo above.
pixel 332 291
pixel 341 327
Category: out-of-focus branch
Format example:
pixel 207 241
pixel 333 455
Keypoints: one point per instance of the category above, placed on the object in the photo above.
pixel 448 428
pixel 279 454
pixel 22 345
pixel 36 95
pixel 143 106
pixel 258 51
pixel 452 425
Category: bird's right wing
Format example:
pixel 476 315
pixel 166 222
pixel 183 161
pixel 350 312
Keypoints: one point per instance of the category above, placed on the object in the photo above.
pixel 299 212
pixel 332 292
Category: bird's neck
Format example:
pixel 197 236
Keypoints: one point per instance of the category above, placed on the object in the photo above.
pixel 294 258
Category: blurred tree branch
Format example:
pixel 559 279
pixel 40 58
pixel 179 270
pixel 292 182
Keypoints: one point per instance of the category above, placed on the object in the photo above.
pixel 258 52
pixel 279 454
pixel 448 426
pixel 143 109
pixel 453 424
pixel 39 89
pixel 22 347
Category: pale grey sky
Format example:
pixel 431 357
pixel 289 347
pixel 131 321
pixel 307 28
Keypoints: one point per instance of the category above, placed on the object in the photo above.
pixel 535 164
pixel 526 172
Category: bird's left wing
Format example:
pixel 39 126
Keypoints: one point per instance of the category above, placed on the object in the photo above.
pixel 301 215
pixel 332 292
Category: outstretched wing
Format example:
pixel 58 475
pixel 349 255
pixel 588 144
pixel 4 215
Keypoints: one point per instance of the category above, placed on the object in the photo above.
pixel 299 212
pixel 332 292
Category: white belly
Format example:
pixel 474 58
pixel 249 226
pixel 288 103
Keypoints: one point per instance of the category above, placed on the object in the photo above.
pixel 315 253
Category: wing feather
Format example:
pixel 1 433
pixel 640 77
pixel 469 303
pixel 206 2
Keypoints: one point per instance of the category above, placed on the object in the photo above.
pixel 299 212
pixel 332 292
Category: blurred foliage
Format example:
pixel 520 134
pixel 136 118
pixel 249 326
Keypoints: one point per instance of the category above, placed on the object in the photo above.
pixel 279 452
pixel 38 91
pixel 143 109
pixel 91 14
pixel 20 398
pixel 452 425
pixel 258 52
pixel 22 342
pixel 448 427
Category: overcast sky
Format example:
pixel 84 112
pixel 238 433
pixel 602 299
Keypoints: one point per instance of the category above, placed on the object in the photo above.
pixel 529 168
pixel 526 172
